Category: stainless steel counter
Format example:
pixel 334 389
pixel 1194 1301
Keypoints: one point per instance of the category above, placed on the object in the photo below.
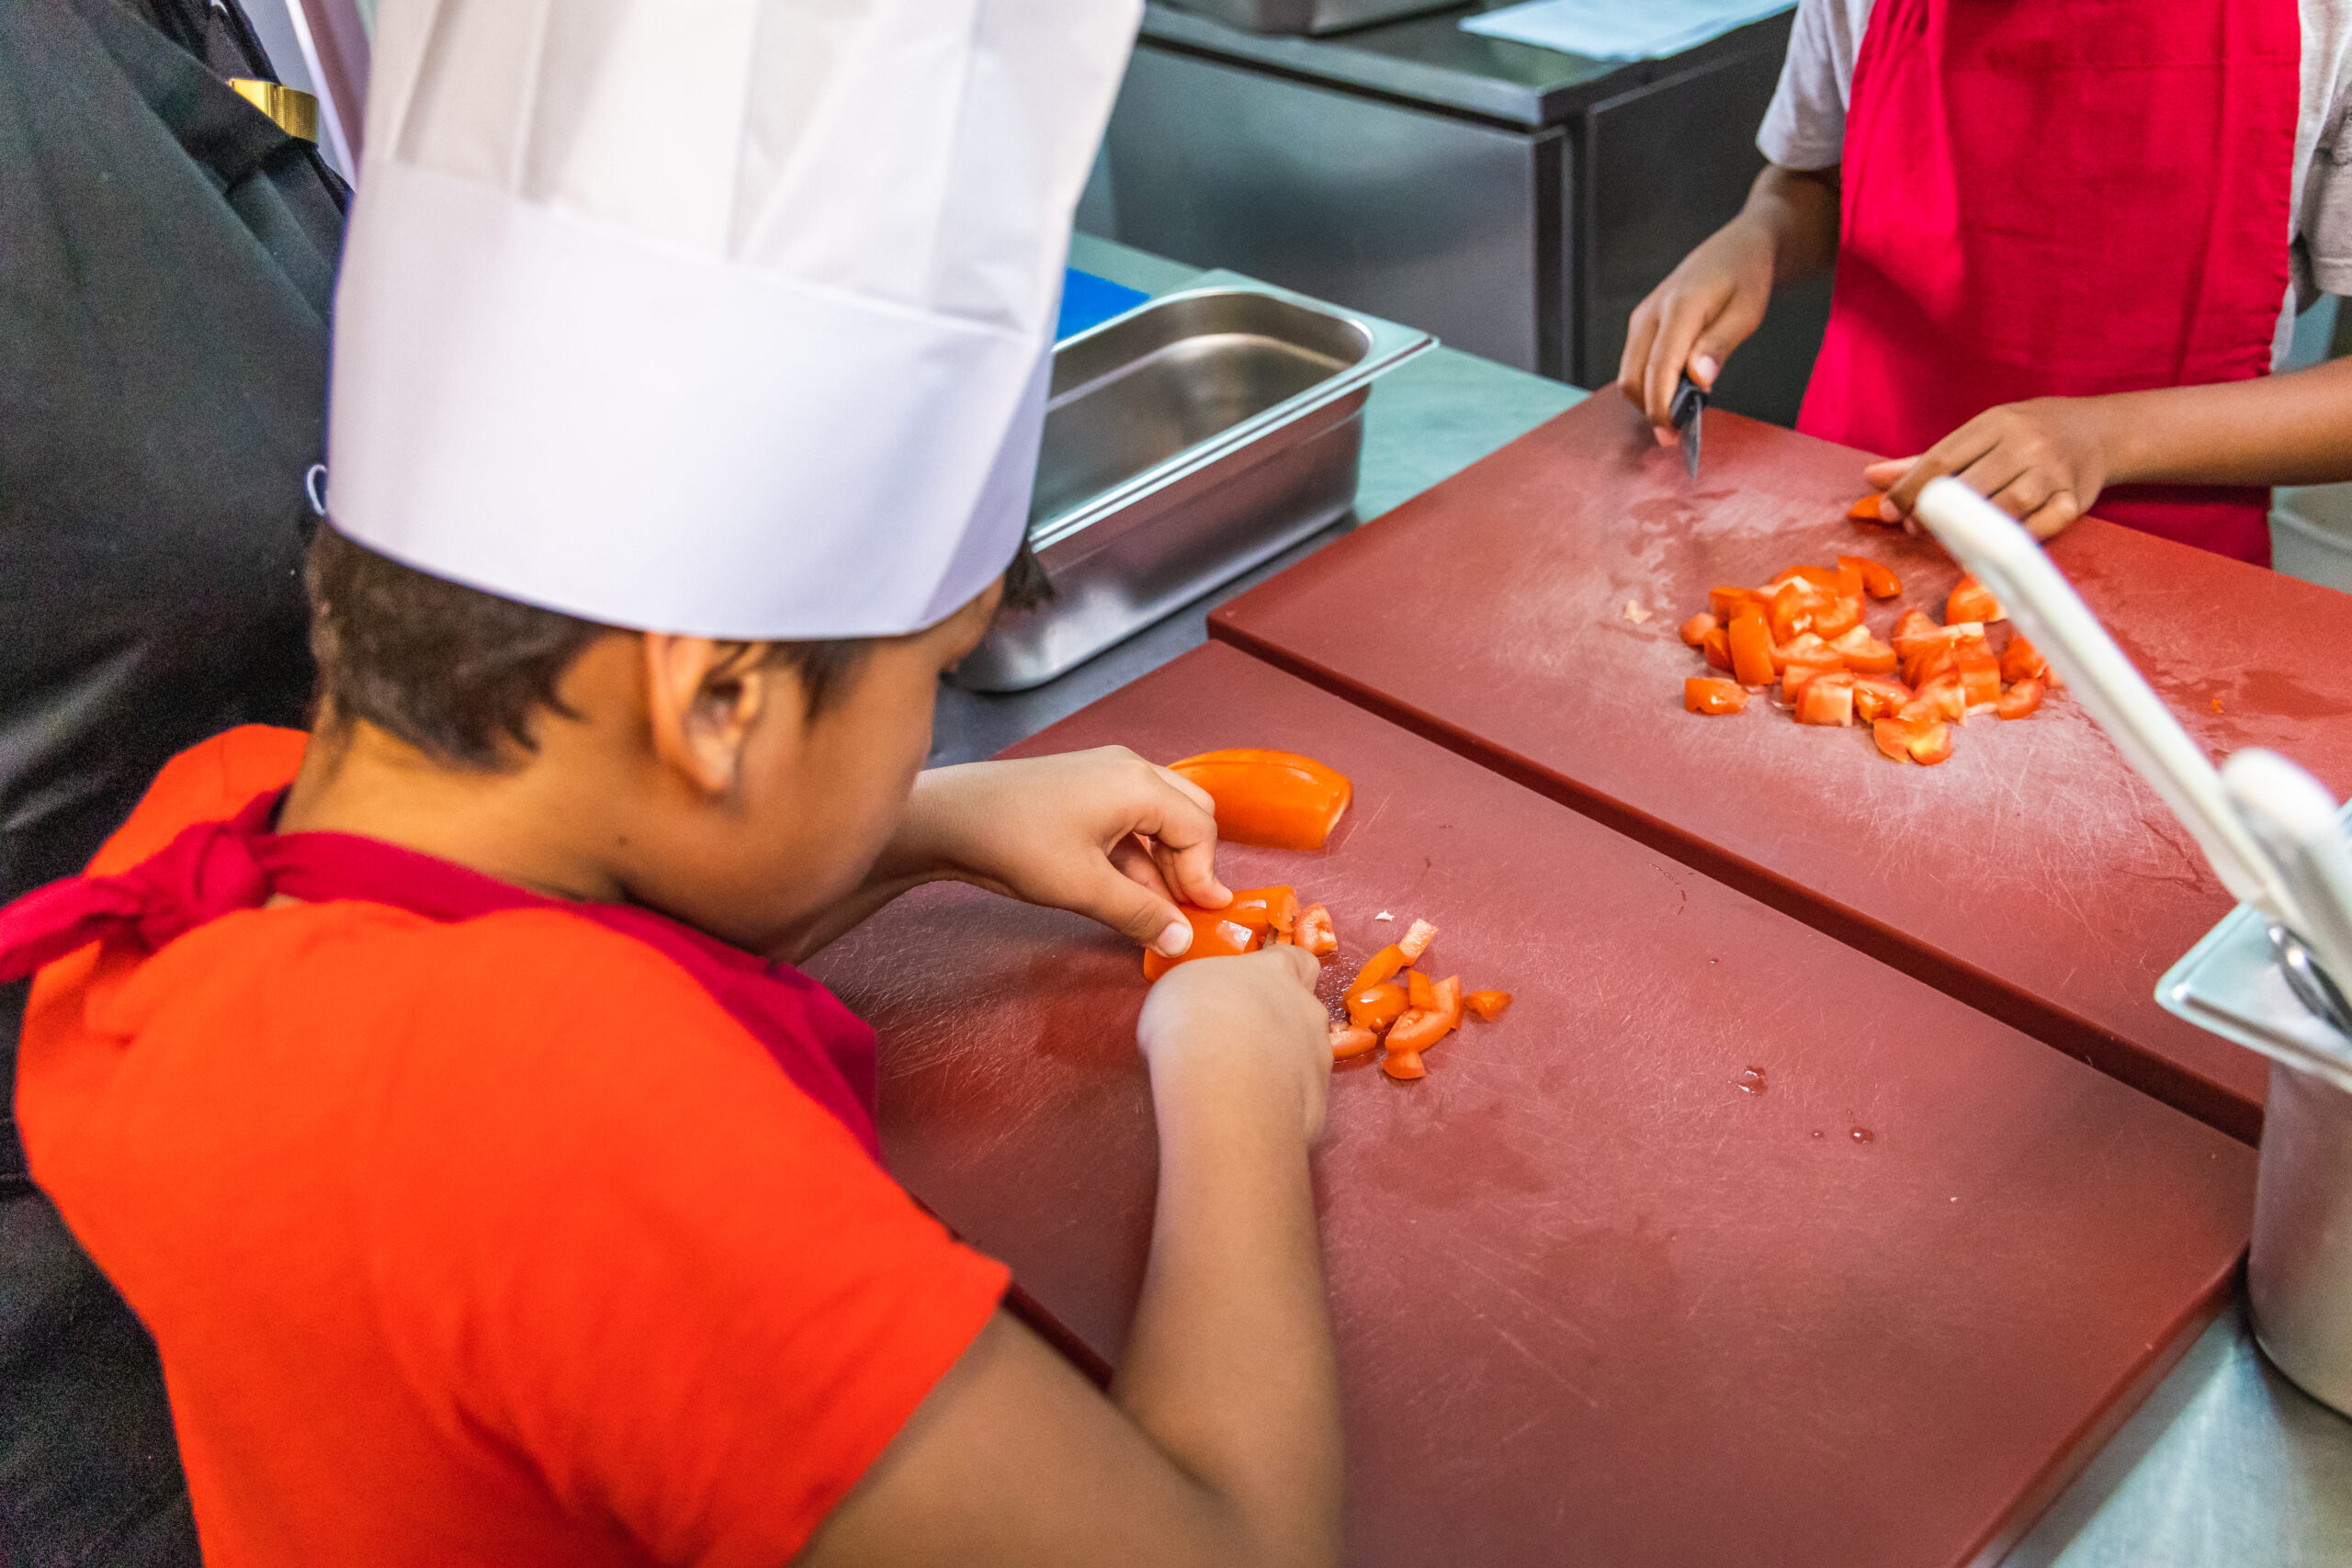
pixel 2227 1465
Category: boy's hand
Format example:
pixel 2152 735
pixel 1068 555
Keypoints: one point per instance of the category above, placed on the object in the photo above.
pixel 2043 462
pixel 1102 833
pixel 1250 1027
pixel 1708 306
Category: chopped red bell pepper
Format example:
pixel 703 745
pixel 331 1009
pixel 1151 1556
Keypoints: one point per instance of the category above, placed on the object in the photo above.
pixel 1796 676
pixel 1348 1040
pixel 1913 630
pixel 1417 1030
pixel 1923 740
pixel 1863 653
pixel 1703 693
pixel 1404 1066
pixel 1380 966
pixel 1751 650
pixel 1419 990
pixel 1941 700
pixel 1878 580
pixel 1718 649
pixel 1278 799
pixel 1416 940
pixel 1315 931
pixel 1214 936
pixel 1725 603
pixel 1972 601
pixel 1377 1007
pixel 2023 661
pixel 1695 629
pixel 1980 673
pixel 1876 696
pixel 1489 1005
pixel 2020 699
pixel 1276 908
pixel 1827 699
pixel 1866 510
pixel 1836 617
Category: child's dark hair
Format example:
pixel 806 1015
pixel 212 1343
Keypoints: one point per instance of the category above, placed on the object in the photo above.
pixel 459 673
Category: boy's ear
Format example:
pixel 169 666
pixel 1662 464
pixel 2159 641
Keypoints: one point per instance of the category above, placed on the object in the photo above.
pixel 703 698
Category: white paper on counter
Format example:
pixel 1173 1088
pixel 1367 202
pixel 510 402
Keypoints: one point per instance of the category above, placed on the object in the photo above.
pixel 1621 30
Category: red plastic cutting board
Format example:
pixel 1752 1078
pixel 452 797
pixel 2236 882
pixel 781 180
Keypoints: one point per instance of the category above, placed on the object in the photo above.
pixel 1596 1302
pixel 2033 875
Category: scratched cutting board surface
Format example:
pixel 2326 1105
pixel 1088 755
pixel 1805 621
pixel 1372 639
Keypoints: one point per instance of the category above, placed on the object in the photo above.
pixel 1597 1301
pixel 2033 875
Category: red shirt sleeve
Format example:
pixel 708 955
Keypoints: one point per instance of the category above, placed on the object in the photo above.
pixel 613 1236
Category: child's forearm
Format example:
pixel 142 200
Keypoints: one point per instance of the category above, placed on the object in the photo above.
pixel 2290 429
pixel 1799 208
pixel 1230 1367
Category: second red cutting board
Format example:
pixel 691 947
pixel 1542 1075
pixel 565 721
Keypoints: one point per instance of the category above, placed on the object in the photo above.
pixel 1727 1245
pixel 2033 875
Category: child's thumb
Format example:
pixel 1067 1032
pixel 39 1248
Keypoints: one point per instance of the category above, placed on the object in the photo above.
pixel 1128 906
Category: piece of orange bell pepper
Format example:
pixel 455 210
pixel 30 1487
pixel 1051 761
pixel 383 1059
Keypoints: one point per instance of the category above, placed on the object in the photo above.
pixel 1717 648
pixel 1278 799
pixel 1214 936
pixel 2023 661
pixel 1404 1066
pixel 1377 1007
pixel 1315 931
pixel 1866 511
pixel 1276 908
pixel 1878 580
pixel 2020 699
pixel 1703 693
pixel 1487 1005
pixel 1348 1040
pixel 1751 650
pixel 1416 941
pixel 1972 601
pixel 1695 629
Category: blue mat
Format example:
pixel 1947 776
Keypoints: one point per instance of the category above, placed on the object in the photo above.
pixel 1089 300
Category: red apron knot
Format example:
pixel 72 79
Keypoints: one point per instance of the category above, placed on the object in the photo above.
pixel 209 871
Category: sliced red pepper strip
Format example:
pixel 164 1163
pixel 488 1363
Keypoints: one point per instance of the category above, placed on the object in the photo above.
pixel 1914 630
pixel 1347 1041
pixel 1836 617
pixel 1416 1030
pixel 1695 629
pixel 1751 650
pixel 1379 967
pixel 1718 649
pixel 1278 799
pixel 1404 1066
pixel 1416 940
pixel 2020 699
pixel 1866 511
pixel 1419 991
pixel 1878 580
pixel 1725 603
pixel 1487 1005
pixel 1377 1007
pixel 1449 1000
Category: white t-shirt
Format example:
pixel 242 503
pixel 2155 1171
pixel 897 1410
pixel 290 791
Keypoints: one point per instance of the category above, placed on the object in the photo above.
pixel 1805 127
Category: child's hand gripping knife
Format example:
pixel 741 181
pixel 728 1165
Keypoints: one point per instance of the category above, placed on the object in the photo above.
pixel 1220 1441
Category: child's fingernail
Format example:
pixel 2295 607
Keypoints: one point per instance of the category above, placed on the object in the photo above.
pixel 1174 940
pixel 1707 369
pixel 1665 437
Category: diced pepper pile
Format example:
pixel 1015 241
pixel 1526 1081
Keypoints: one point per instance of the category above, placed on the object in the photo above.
pixel 1287 801
pixel 1804 632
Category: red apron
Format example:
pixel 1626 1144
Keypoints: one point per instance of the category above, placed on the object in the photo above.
pixel 2063 199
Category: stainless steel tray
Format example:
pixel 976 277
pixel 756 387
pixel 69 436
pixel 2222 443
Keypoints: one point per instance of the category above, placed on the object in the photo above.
pixel 1185 442
pixel 1304 16
pixel 2230 983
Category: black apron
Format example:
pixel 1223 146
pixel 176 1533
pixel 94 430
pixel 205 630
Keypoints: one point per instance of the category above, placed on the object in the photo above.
pixel 166 265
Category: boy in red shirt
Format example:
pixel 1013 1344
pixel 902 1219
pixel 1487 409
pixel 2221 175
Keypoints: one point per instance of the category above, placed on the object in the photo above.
pixel 437 1086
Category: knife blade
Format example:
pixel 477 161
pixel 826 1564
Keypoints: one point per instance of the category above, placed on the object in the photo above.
pixel 1688 413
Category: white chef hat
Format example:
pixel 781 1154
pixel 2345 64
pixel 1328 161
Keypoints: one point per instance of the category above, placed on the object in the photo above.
pixel 728 317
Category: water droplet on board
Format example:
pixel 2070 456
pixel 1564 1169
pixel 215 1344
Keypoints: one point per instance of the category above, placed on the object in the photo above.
pixel 1752 1081
pixel 1863 1135
pixel 1816 1132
